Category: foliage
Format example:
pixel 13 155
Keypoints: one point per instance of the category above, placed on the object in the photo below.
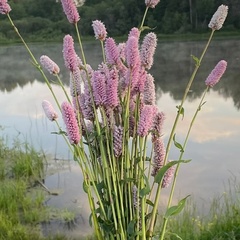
pixel 22 199
pixel 119 16
pixel 219 223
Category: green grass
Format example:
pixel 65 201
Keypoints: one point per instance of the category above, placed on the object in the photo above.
pixel 22 208
pixel 222 222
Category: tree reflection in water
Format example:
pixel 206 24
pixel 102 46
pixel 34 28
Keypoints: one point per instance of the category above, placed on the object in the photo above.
pixel 172 68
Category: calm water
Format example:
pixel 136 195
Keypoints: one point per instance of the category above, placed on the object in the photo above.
pixel 214 145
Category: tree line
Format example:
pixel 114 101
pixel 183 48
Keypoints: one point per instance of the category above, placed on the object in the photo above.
pixel 44 19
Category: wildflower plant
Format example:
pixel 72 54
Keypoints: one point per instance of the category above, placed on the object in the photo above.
pixel 111 118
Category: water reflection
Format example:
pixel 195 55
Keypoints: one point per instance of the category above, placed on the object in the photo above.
pixel 214 143
pixel 172 68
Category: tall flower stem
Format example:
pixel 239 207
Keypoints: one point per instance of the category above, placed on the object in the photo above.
pixel 180 158
pixel 103 52
pixel 143 19
pixel 180 110
pixel 81 46
pixel 63 88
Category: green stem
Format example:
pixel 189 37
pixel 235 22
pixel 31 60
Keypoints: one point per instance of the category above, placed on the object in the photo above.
pixel 178 165
pixel 63 88
pixel 143 149
pixel 113 175
pixel 143 19
pixel 80 44
pixel 103 52
pixel 180 108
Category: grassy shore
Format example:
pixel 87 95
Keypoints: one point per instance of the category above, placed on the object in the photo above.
pixel 161 37
pixel 23 194
pixel 221 222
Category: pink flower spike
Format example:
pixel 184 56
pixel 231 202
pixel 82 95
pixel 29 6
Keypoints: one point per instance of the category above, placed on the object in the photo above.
pixel 86 105
pixel 134 32
pixel 148 49
pixel 70 57
pixel 157 126
pixel 151 3
pixel 159 155
pixel 168 177
pixel 4 7
pixel 149 90
pixel 112 53
pixel 216 74
pixel 70 9
pixel 99 30
pixel 132 52
pixel 112 89
pixel 218 18
pixel 146 120
pixel 70 121
pixel 49 64
pixel 117 140
pixel 121 49
pixel 49 110
pixel 99 88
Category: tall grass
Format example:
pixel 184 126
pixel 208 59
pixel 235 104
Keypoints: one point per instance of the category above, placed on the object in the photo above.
pixel 221 222
pixel 20 167
pixel 22 198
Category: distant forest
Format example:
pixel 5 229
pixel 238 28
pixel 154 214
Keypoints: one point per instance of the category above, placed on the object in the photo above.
pixel 44 19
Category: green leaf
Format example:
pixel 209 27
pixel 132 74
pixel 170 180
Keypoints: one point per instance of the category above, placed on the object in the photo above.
pixel 76 153
pixel 149 202
pixel 176 209
pixel 181 111
pixel 131 228
pixel 144 191
pixel 199 109
pixel 61 132
pixel 175 235
pixel 177 144
pixel 100 187
pixel 148 159
pixel 90 220
pixel 197 61
pixel 146 28
pixel 85 187
pixel 162 171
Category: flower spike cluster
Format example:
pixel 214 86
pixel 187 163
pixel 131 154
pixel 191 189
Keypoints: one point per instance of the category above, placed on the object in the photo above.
pixel 111 117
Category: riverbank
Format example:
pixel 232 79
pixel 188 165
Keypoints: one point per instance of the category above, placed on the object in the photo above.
pixel 24 211
pixel 161 38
